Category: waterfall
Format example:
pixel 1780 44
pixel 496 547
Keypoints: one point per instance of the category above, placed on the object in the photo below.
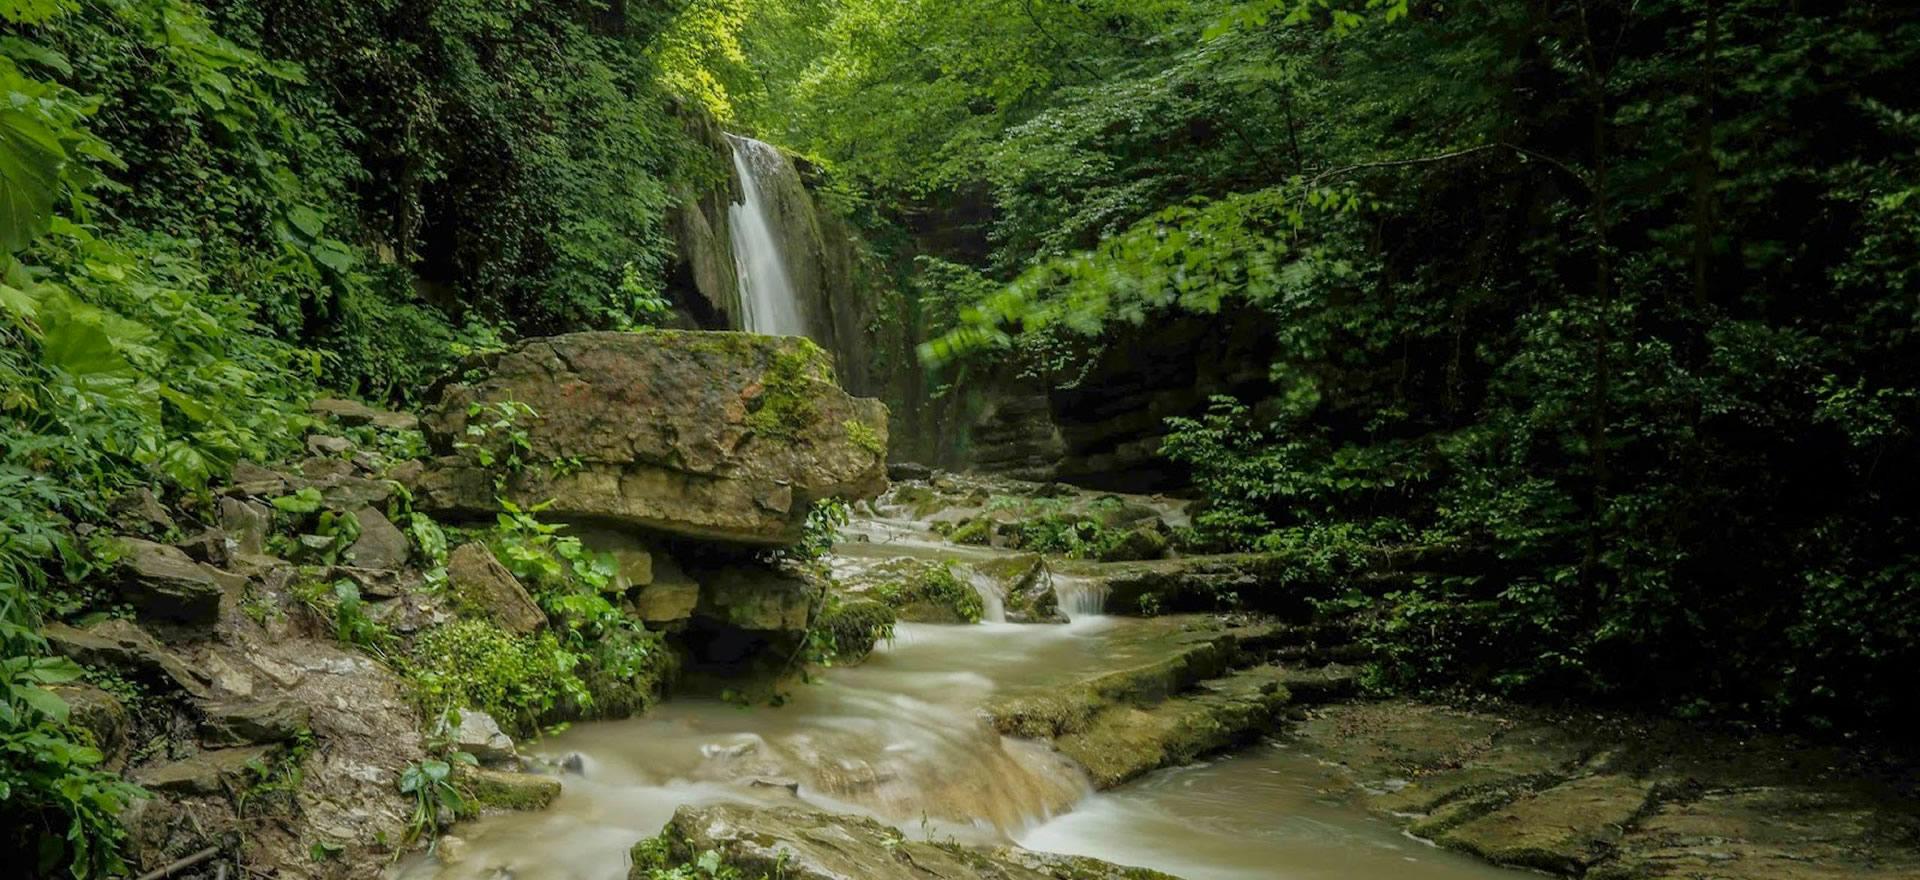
pixel 766 297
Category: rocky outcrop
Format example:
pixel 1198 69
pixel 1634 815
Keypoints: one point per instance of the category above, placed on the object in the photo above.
pixel 804 845
pixel 124 646
pixel 718 436
pixel 477 578
pixel 756 597
pixel 163 582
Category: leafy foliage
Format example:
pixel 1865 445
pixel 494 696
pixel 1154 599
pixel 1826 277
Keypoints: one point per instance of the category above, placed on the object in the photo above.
pixel 1614 299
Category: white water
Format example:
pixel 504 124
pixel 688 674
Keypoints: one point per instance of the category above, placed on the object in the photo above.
pixel 767 303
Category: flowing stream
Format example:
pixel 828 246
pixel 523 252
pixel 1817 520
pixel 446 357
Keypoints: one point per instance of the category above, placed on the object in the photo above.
pixel 900 738
pixel 767 303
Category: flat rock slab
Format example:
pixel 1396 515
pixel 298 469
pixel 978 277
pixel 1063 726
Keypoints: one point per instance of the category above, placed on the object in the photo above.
pixel 1771 832
pixel 718 436
pixel 1145 663
pixel 1121 742
pixel 1619 799
pixel 1565 828
pixel 209 772
pixel 803 845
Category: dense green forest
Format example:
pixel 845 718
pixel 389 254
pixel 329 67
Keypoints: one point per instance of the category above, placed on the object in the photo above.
pixel 1617 299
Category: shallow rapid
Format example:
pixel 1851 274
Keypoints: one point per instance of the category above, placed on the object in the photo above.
pixel 901 738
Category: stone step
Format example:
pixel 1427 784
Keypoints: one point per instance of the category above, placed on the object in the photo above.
pixel 1156 660
pixel 1122 741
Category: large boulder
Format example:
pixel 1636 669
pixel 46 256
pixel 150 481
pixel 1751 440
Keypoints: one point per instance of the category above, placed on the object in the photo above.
pixel 719 436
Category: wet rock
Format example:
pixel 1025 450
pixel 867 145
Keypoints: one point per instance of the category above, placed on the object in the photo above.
pixel 119 644
pixel 508 790
pixel 327 446
pixel 162 582
pixel 574 763
pixel 901 471
pixel 246 522
pixel 757 597
pixel 856 626
pixel 919 590
pixel 1123 741
pixel 450 850
pixel 1325 684
pixel 721 436
pixel 667 600
pixel 798 844
pixel 209 772
pixel 102 716
pixel 244 723
pixel 477 578
pixel 141 512
pixel 354 414
pixel 477 734
pixel 1564 829
pixel 1141 543
pixel 1028 586
pixel 381 544
pixel 791 785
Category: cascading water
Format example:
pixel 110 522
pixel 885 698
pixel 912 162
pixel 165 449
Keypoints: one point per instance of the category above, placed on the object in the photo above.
pixel 766 297
pixel 901 738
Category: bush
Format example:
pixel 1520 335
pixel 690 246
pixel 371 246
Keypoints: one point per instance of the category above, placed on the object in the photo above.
pixel 473 664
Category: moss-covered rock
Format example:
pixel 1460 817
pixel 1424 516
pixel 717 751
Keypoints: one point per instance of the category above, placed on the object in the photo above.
pixel 855 626
pixel 919 590
pixel 505 790
pixel 977 532
pixel 1026 583
pixel 1141 543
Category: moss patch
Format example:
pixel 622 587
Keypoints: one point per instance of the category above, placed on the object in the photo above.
pixel 855 626
pixel 785 405
pixel 485 788
pixel 977 532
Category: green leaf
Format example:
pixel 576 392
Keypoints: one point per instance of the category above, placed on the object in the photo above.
pixel 307 220
pixel 31 158
pixel 45 702
pixel 334 255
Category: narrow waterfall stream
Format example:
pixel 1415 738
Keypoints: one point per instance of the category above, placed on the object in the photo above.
pixel 766 298
pixel 900 738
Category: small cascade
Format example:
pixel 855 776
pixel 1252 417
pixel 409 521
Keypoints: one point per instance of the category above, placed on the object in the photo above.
pixel 993 603
pixel 766 296
pixel 1081 597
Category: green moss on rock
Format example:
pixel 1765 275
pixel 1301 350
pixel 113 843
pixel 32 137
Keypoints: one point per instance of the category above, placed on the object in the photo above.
pixel 977 532
pixel 855 626
pixel 508 791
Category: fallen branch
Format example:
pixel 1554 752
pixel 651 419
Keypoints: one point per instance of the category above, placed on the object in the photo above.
pixel 180 865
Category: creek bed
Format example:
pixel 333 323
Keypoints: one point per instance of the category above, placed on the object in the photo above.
pixel 900 739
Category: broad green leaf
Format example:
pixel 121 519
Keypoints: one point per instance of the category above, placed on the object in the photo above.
pixel 30 161
pixel 45 702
